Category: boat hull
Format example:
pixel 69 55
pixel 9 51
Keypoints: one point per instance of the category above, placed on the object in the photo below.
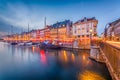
pixel 50 46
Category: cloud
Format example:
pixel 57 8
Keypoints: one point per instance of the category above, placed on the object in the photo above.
pixel 21 15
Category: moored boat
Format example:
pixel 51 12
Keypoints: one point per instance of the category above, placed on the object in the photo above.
pixel 48 45
pixel 28 44
pixel 13 43
pixel 21 44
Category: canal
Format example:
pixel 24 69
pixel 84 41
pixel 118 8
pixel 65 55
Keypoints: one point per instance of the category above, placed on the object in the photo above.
pixel 33 63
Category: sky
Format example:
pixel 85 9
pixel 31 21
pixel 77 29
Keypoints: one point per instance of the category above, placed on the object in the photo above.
pixel 20 13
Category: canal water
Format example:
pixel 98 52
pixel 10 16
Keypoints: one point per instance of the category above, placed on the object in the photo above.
pixel 33 63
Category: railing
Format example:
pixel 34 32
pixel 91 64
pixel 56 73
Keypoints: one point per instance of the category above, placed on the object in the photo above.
pixel 112 54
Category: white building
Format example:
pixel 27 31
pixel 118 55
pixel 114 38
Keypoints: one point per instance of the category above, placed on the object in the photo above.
pixel 84 29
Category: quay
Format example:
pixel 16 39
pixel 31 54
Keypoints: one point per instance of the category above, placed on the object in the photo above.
pixel 111 57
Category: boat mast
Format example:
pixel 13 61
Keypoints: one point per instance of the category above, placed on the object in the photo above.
pixel 45 27
pixel 45 22
pixel 28 33
pixel 11 30
pixel 28 27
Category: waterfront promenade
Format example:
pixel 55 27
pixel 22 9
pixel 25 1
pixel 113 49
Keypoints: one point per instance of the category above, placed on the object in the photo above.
pixel 114 43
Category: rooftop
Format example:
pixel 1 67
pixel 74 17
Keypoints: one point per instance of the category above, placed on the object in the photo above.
pixel 61 24
pixel 85 20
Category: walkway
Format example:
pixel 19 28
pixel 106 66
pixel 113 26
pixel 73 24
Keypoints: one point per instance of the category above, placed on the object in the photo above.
pixel 113 43
pixel 111 54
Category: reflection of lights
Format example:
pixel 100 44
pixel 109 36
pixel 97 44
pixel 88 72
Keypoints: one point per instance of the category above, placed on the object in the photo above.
pixel 43 56
pixel 88 62
pixel 65 56
pixel 33 48
pixel 73 57
pixel 42 52
pixel 85 60
pixel 83 57
pixel 89 75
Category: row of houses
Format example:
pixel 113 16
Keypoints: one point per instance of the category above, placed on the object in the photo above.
pixel 112 32
pixel 66 30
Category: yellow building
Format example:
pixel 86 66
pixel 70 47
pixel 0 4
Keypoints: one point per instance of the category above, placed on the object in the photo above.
pixel 61 30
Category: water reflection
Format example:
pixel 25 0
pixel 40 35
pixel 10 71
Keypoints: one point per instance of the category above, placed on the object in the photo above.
pixel 33 49
pixel 72 57
pixel 33 63
pixel 43 57
pixel 90 75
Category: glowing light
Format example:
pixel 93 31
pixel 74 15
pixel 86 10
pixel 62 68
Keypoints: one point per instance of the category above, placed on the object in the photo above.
pixel 90 30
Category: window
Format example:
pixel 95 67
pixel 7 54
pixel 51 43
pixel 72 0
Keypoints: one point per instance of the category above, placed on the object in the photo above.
pixel 82 28
pixel 87 35
pixel 75 30
pixel 87 29
pixel 78 30
pixel 83 31
pixel 82 35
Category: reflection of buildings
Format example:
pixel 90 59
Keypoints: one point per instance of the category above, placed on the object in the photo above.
pixel 66 57
pixel 82 29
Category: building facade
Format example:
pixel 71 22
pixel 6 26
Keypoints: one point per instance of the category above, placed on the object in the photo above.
pixel 85 29
pixel 47 33
pixel 109 32
pixel 117 31
pixel 61 30
pixel 113 31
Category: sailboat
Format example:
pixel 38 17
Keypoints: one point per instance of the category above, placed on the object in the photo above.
pixel 28 43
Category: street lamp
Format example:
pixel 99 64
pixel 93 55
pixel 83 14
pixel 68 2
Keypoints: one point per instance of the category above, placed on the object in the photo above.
pixel 90 30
